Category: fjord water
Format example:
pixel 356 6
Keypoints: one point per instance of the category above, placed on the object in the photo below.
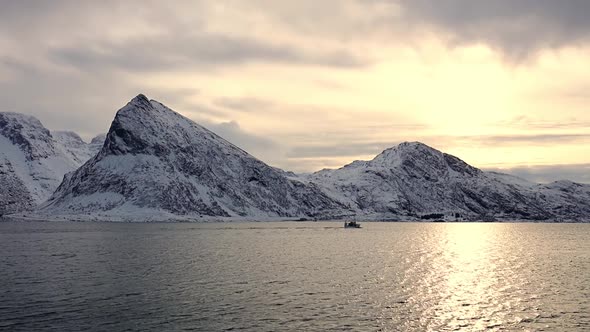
pixel 294 276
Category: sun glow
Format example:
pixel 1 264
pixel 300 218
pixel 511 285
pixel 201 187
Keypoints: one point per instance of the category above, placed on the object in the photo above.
pixel 471 282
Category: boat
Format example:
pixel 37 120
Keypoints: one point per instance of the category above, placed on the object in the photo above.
pixel 352 224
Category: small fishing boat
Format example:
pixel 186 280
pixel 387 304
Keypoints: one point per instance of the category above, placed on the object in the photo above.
pixel 352 224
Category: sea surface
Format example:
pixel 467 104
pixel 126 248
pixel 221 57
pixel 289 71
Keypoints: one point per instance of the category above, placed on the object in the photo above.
pixel 294 276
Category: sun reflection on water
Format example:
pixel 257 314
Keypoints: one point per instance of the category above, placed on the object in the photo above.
pixel 467 277
pixel 468 293
pixel 456 282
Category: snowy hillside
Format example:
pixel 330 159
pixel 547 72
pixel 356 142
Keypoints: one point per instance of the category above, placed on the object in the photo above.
pixel 33 161
pixel 156 160
pixel 415 181
pixel 74 147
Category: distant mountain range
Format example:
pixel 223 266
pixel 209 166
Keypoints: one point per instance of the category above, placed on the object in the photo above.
pixel 155 164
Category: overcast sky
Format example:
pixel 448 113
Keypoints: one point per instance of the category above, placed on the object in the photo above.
pixel 308 84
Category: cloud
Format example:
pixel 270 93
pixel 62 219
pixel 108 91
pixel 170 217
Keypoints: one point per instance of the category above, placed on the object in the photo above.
pixel 232 132
pixel 261 147
pixel 203 33
pixel 328 81
pixel 549 173
pixel 528 122
pixel 200 111
pixel 197 50
pixel 245 104
pixel 308 165
pixel 532 139
pixel 522 140
pixel 350 149
pixel 140 36
pixel 66 101
pixel 518 28
pixel 17 66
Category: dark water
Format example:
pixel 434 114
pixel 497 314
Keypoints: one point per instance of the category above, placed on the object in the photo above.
pixel 294 277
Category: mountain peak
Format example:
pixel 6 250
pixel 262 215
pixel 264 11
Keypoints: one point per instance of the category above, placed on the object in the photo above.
pixel 140 99
pixel 413 145
pixel 67 135
pixel 405 150
pixel 139 103
pixel 98 139
pixel 148 127
pixel 28 133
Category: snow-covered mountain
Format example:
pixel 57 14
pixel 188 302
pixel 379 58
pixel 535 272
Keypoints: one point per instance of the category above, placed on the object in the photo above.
pixel 155 164
pixel 97 142
pixel 33 161
pixel 158 164
pixel 415 181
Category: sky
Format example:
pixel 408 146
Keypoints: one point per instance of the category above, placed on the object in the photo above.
pixel 305 85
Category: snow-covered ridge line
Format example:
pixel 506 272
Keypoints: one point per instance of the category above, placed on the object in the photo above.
pixel 156 165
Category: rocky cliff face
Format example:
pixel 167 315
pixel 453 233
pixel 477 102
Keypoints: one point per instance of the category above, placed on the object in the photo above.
pixel 156 160
pixel 14 196
pixel 33 161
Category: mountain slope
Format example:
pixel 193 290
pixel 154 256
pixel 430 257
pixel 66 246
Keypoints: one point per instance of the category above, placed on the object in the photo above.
pixel 33 161
pixel 72 145
pixel 156 160
pixel 413 180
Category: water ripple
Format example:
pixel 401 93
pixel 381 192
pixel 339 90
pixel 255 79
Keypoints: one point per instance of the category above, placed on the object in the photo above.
pixel 294 276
